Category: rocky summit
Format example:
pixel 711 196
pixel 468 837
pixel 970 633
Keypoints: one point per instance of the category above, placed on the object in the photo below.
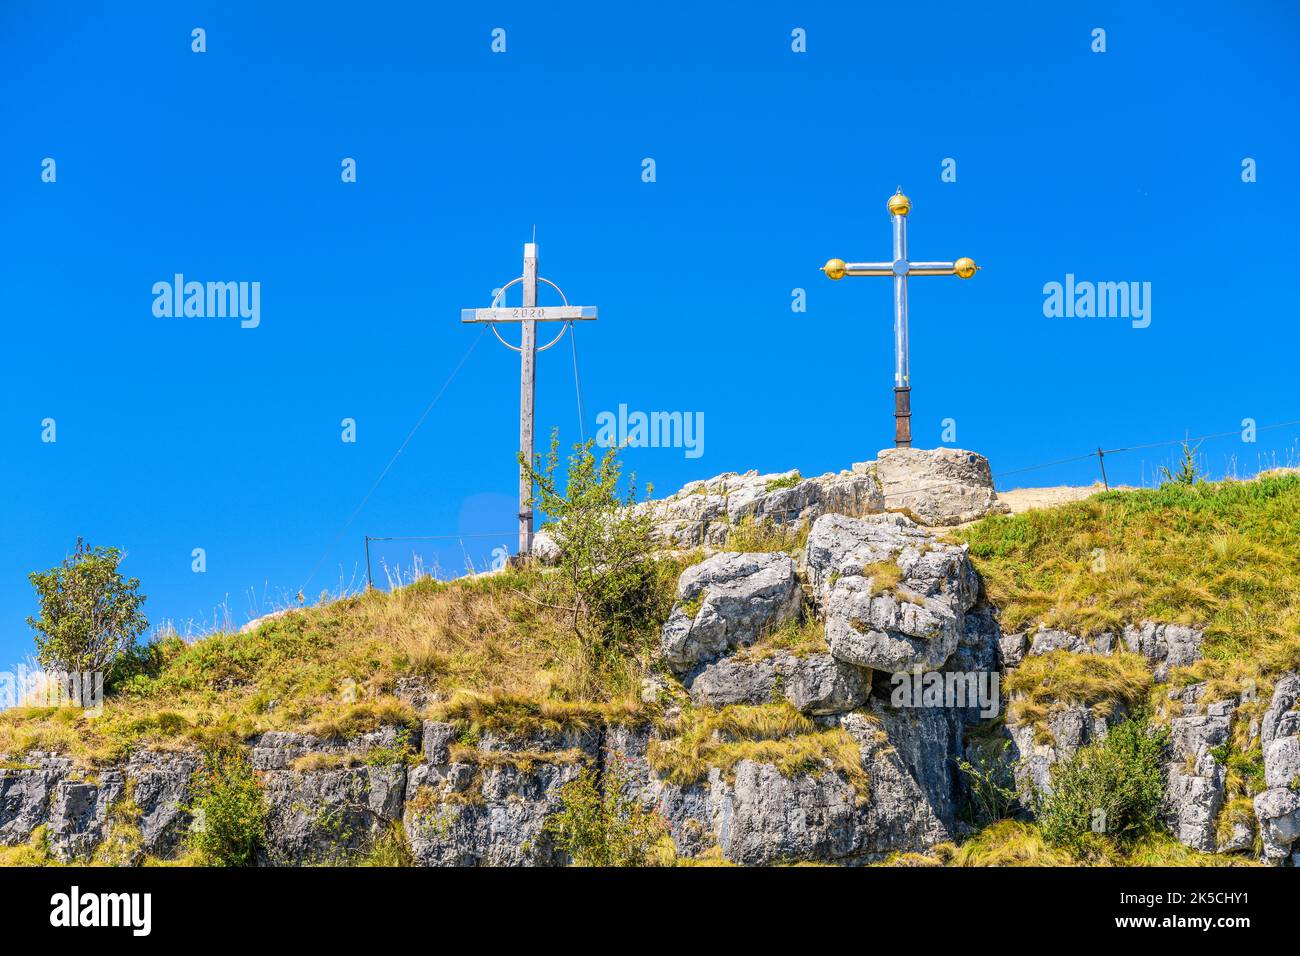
pixel 861 691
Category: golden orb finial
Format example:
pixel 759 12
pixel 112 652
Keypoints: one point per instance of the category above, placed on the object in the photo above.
pixel 835 269
pixel 899 205
pixel 965 267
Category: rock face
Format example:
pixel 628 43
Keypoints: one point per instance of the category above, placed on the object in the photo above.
pixel 1278 807
pixel 488 806
pixel 728 601
pixel 1196 778
pixel 892 596
pixel 940 486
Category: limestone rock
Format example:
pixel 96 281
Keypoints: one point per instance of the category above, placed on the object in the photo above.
pixel 1196 779
pixel 1166 646
pixel 328 816
pixel 1036 750
pixel 79 813
pixel 729 600
pixel 814 683
pixel 25 794
pixel 941 486
pixel 705 512
pixel 161 789
pixel 915 620
pixel 545 548
pixel 1278 807
pixel 491 808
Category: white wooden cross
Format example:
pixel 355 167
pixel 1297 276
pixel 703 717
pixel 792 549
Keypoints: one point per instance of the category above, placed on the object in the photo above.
pixel 528 315
pixel 900 269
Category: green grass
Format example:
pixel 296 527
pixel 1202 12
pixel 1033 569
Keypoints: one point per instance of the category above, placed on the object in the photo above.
pixel 788 481
pixel 1218 556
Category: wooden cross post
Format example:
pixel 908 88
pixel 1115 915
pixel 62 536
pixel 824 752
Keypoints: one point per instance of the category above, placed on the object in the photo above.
pixel 900 269
pixel 528 315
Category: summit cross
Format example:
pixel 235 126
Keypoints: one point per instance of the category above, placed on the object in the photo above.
pixel 900 269
pixel 528 315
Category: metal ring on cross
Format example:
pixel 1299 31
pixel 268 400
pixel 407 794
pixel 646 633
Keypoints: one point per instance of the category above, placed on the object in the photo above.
pixel 519 348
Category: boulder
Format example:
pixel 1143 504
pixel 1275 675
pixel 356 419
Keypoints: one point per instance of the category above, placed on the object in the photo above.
pixel 814 683
pixel 729 600
pixel 892 595
pixel 940 486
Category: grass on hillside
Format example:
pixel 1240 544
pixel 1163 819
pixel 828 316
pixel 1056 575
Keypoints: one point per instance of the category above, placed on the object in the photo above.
pixel 1019 843
pixel 1220 556
pixel 333 669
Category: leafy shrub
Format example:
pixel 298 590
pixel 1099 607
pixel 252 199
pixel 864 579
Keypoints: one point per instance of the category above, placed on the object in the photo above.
pixel 229 808
pixel 990 780
pixel 1112 788
pixel 599 825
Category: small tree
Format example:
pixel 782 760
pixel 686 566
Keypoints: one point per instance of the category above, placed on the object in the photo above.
pixel 89 613
pixel 1188 473
pixel 606 542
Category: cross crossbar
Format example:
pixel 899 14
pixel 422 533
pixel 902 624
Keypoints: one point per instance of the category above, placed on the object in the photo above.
pixel 544 313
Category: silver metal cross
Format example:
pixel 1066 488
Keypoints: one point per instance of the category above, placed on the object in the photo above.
pixel 528 315
pixel 900 269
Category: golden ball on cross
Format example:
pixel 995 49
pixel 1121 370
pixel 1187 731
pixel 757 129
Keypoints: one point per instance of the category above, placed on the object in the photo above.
pixel 899 205
pixel 965 267
pixel 835 269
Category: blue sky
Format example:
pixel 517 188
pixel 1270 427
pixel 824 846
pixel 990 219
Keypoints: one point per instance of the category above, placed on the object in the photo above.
pixel 180 433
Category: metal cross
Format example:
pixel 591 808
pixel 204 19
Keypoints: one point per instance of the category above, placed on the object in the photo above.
pixel 528 315
pixel 900 269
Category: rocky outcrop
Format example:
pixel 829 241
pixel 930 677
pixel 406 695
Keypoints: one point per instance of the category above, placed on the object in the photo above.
pixel 705 512
pixel 892 596
pixel 1037 748
pixel 1196 777
pixel 1278 807
pixel 729 600
pixel 27 787
pixel 940 486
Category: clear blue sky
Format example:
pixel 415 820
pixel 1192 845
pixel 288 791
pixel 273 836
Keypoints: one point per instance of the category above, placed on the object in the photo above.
pixel 177 433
